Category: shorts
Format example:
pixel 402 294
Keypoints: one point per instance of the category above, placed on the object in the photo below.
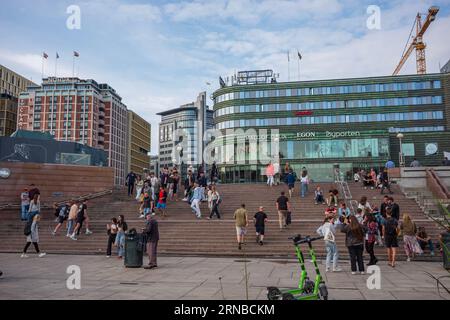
pixel 260 230
pixel 61 219
pixel 160 205
pixel 391 242
pixel 241 231
pixel 80 221
pixel 291 186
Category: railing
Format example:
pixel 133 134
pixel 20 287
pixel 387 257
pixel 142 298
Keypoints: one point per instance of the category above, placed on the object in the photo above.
pixel 436 186
pixel 344 189
pixel 88 196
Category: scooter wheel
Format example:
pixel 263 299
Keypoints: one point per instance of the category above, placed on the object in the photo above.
pixel 323 292
pixel 288 296
pixel 273 293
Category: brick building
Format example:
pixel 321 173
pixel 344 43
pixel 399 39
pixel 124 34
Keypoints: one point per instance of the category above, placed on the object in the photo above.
pixel 82 111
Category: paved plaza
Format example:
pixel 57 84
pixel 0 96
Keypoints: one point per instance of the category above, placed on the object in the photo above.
pixel 197 278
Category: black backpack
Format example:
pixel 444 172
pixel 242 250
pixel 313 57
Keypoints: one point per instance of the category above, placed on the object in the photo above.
pixel 27 228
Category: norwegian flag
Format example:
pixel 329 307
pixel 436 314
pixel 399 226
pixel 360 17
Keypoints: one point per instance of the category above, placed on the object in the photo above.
pixel 76 54
pixel 44 55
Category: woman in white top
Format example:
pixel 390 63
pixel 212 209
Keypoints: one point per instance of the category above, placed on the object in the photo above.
pixel 364 205
pixel 33 237
pixel 139 186
pixel 304 181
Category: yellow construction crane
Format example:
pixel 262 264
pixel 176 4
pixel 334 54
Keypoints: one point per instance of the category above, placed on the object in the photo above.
pixel 417 42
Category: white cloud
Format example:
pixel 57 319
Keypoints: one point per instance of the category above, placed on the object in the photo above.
pixel 250 12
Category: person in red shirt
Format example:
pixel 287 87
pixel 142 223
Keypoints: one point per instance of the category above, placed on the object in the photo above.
pixel 162 200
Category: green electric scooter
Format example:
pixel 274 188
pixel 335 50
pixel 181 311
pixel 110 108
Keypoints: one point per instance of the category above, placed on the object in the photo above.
pixel 307 289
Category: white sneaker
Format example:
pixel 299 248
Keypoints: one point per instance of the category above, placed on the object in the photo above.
pixel 53 233
pixel 327 270
pixel 41 254
pixel 73 237
pixel 24 255
pixel 337 270
pixel 141 216
pixel 408 260
pixel 353 273
pixel 108 256
pixel 362 272
pixel 68 235
pixel 88 232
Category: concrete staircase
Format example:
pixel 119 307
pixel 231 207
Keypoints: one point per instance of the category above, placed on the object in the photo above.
pixel 182 234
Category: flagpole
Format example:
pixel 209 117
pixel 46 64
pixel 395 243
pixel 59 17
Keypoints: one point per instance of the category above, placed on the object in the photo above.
pixel 56 64
pixel 73 65
pixel 298 65
pixel 42 74
pixel 289 70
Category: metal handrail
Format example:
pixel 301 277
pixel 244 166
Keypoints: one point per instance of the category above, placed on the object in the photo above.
pixel 88 196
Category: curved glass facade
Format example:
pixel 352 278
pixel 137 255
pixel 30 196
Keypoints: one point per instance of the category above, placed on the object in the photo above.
pixel 312 120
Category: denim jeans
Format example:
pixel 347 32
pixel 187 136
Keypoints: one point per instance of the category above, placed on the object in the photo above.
pixel 332 254
pixel 31 215
pixel 24 211
pixel 304 189
pixel 120 242
pixel 423 245
pixel 70 224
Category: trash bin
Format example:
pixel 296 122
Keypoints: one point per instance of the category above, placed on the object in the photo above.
pixel 133 251
pixel 446 249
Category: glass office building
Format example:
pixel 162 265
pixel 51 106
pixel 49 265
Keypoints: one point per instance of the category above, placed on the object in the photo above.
pixel 351 123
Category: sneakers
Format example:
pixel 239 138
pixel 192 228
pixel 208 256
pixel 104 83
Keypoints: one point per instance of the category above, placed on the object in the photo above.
pixel 108 256
pixel 40 255
pixel 432 253
pixel 68 235
pixel 88 232
pixel 337 269
pixel 362 272
pixel 24 255
pixel 261 243
pixel 239 246
pixel 53 233
pixel 408 259
pixel 353 272
pixel 327 270
pixel 141 216
pixel 73 237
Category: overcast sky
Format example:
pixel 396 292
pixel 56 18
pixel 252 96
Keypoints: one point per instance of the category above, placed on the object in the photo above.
pixel 161 54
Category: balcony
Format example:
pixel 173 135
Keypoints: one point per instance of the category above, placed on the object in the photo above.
pixel 101 130
pixel 101 139
pixel 101 122
pixel 101 114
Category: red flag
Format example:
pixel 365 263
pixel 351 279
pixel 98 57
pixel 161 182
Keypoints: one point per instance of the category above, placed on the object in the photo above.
pixel 45 55
pixel 76 54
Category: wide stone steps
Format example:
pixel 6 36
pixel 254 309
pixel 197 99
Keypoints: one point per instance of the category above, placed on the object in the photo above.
pixel 182 234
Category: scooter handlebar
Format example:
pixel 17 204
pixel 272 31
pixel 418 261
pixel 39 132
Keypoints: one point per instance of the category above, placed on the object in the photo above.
pixel 307 239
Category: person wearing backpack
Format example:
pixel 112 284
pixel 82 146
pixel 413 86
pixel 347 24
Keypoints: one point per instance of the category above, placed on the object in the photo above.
pixel 35 207
pixel 328 231
pixel 216 200
pixel 390 236
pixel 32 232
pixel 24 204
pixel 63 214
pixel 410 243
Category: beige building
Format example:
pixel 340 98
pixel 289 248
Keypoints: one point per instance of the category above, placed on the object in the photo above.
pixel 11 85
pixel 139 137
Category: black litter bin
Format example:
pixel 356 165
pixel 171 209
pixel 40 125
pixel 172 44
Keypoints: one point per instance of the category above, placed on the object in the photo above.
pixel 446 249
pixel 133 250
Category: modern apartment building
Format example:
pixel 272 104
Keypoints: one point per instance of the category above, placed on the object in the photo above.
pixel 82 111
pixel 8 114
pixel 181 134
pixel 11 85
pixel 139 143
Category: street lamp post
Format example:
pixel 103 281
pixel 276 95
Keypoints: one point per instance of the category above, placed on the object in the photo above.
pixel 400 136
